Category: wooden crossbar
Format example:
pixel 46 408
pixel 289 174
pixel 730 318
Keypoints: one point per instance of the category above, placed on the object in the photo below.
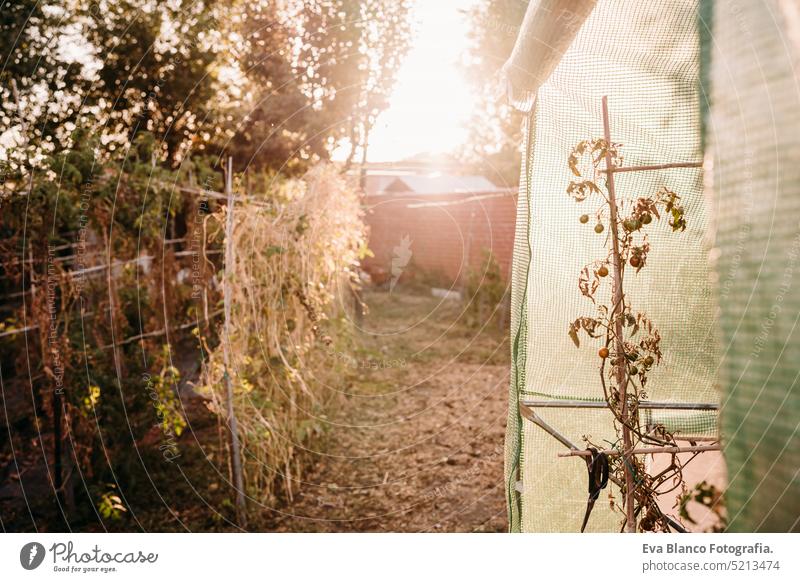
pixel 622 169
pixel 646 451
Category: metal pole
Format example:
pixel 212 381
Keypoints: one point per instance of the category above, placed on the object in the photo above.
pixel 537 420
pixel 643 405
pixel 236 460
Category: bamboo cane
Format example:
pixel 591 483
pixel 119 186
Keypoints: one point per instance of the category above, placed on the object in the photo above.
pixel 621 170
pixel 617 300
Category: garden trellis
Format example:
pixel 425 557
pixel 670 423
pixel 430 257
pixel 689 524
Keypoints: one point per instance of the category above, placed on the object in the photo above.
pixel 652 84
pixel 289 267
pixel 294 251
pixel 628 450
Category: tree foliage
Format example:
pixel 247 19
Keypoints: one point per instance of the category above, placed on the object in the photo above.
pixel 495 132
pixel 156 68
pixel 40 84
pixel 276 83
pixel 302 99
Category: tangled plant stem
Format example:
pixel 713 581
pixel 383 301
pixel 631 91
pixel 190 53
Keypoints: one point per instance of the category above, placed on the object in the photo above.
pixel 631 342
pixel 292 251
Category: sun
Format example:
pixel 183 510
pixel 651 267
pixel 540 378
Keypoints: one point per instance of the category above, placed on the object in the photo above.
pixel 432 101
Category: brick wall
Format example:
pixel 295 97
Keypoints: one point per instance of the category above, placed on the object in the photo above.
pixel 445 235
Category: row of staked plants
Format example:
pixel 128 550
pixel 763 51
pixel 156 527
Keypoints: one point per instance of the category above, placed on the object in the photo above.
pixel 111 284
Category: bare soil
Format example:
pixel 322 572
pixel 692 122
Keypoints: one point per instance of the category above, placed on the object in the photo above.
pixel 414 445
pixel 418 444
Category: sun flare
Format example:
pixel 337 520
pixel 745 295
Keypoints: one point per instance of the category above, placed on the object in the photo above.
pixel 432 101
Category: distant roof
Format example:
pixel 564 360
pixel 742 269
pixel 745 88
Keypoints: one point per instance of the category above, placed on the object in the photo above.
pixel 428 184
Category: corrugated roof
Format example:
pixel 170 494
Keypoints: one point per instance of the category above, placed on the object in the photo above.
pixel 375 183
pixel 436 184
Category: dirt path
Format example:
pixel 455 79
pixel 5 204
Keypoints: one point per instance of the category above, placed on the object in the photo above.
pixel 418 444
pixel 415 445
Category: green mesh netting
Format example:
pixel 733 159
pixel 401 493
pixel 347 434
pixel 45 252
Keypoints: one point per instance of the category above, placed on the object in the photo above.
pixel 754 134
pixel 645 57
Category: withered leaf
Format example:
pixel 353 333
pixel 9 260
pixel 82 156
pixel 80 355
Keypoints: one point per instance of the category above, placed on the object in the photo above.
pixel 573 334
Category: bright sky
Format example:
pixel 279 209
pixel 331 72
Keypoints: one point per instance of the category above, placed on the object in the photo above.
pixel 432 101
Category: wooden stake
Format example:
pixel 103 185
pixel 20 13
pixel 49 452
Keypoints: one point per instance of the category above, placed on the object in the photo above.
pixel 617 299
pixel 647 451
pixel 358 307
pixel 235 454
pixel 653 167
